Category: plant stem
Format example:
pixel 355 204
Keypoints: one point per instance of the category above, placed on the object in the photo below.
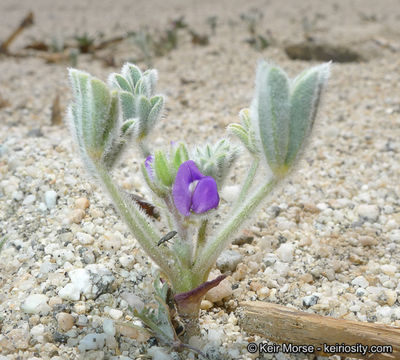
pixel 248 182
pixel 145 234
pixel 201 237
pixel 212 250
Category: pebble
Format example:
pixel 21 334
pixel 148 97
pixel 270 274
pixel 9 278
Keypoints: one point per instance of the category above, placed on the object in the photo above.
pixel 158 353
pixel 223 290
pixel 394 235
pixel 285 252
pixel 65 321
pixel 229 260
pixel 270 259
pixel 360 281
pixel 115 314
pixel 368 212
pixel 139 334
pixel 82 203
pixel 84 239
pixel 50 198
pixel 367 240
pixel 389 269
pixel 36 304
pixel 108 327
pixel 69 292
pixel 92 342
pixel 134 301
pixel 37 332
pixel 310 300
pixel 206 305
pixel 18 339
pixel 127 261
pixel 76 216
pixel 29 200
pixel 230 192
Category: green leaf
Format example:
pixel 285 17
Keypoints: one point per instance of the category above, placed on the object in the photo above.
pixel 304 100
pixel 119 82
pixel 161 169
pixel 128 105
pixel 157 103
pixel 271 113
pixel 131 73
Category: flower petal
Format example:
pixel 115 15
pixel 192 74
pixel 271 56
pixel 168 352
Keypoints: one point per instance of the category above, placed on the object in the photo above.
pixel 187 173
pixel 205 196
pixel 148 163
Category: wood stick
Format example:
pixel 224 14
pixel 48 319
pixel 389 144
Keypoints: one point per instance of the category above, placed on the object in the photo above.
pixel 282 324
pixel 26 22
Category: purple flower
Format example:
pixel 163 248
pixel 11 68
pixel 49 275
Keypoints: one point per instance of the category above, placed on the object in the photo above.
pixel 148 164
pixel 193 191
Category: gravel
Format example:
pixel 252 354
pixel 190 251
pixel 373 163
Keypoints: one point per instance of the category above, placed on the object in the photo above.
pixel 326 241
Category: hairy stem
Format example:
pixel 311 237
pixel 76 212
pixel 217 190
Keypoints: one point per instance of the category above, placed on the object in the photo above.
pixel 213 248
pixel 248 182
pixel 145 234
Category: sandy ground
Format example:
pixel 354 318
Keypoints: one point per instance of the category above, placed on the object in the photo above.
pixel 340 213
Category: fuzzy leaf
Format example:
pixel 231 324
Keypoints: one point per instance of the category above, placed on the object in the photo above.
pixel 161 169
pixel 117 81
pixel 128 105
pixel 305 96
pixel 157 103
pixel 131 73
pixel 271 113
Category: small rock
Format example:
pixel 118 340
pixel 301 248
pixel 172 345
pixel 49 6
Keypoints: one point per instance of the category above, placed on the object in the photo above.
pixel 65 321
pixel 76 216
pixel 69 292
pixel 206 305
pixel 17 195
pixel 285 252
pixel 367 240
pixel 116 314
pixel 108 327
pixel 389 269
pixel 246 238
pixel 50 198
pixel 37 332
pixel 82 203
pixel 127 261
pixel 230 193
pixel 29 200
pixel 394 235
pixel 310 300
pixel 19 338
pixel 158 353
pixel 84 239
pixel 360 281
pixel 92 342
pixel 35 304
pixel 391 297
pixel 270 259
pixel 368 212
pixel 221 291
pixel 134 301
pixel 139 334
pixel 229 260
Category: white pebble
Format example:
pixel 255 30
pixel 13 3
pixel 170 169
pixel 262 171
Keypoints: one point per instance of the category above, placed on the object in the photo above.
pixel 108 327
pixel 127 261
pixel 360 281
pixel 116 314
pixel 389 269
pixel 69 292
pixel 368 212
pixel 92 342
pixel 395 235
pixel 285 252
pixel 158 353
pixel 35 304
pixel 29 200
pixel 84 239
pixel 50 198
